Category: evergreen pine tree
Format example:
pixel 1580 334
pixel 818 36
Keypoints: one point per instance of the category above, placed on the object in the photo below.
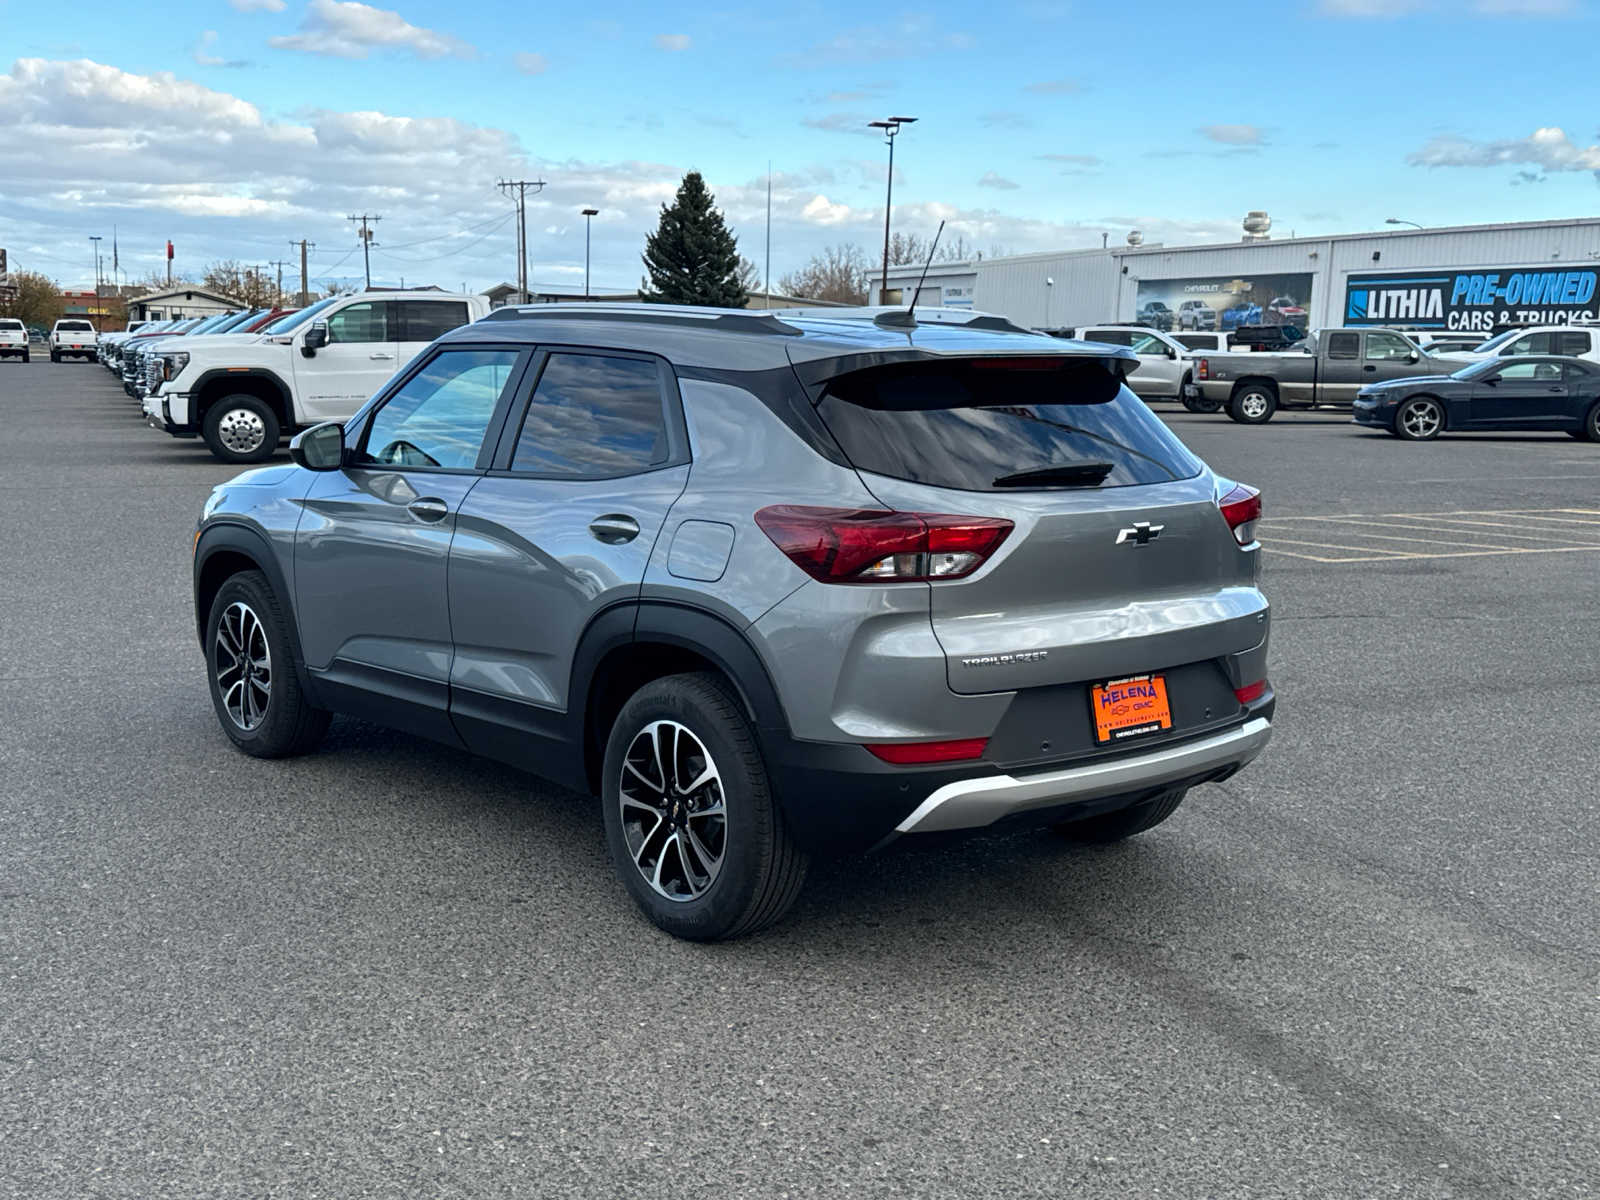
pixel 692 258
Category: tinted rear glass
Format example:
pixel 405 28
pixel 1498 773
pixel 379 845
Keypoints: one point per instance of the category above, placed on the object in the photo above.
pixel 968 424
pixel 73 325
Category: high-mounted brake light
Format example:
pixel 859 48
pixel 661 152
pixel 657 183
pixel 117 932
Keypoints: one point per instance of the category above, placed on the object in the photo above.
pixel 861 545
pixel 1241 509
pixel 908 753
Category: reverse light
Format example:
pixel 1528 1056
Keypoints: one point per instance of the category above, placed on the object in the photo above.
pixel 1251 692
pixel 1241 509
pixel 1203 370
pixel 909 753
pixel 860 545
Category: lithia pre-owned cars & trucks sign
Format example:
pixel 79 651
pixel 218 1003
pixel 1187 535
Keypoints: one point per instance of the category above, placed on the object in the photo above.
pixel 1483 298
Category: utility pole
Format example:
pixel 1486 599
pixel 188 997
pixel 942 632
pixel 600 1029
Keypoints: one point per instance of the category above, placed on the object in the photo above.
pixel 278 295
pixel 305 294
pixel 366 243
pixel 95 241
pixel 766 272
pixel 588 219
pixel 521 187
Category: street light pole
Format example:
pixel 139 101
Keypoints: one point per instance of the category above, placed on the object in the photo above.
pixel 588 220
pixel 1398 221
pixel 890 127
pixel 95 239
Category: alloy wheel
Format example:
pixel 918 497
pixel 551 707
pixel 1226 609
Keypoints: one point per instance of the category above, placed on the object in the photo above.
pixel 241 662
pixel 674 812
pixel 1421 419
pixel 241 430
pixel 1253 405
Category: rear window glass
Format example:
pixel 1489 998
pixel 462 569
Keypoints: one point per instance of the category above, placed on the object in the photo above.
pixel 971 425
pixel 73 325
pixel 10 324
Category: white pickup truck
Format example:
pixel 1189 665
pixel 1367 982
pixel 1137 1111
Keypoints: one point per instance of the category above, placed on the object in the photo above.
pixel 13 338
pixel 242 392
pixel 74 337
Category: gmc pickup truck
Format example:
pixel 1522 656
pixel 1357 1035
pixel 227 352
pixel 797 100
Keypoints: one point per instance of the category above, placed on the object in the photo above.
pixel 1334 365
pixel 241 392
pixel 74 337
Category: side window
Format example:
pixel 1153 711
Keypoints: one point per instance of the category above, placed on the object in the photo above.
pixel 424 320
pixel 1574 343
pixel 1533 343
pixel 1386 347
pixel 1344 345
pixel 1112 337
pixel 1576 373
pixel 439 418
pixel 1145 344
pixel 594 417
pixel 364 322
pixel 1543 372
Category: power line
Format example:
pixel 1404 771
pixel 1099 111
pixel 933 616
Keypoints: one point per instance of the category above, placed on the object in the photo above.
pixel 522 186
pixel 366 242
pixel 388 252
pixel 496 221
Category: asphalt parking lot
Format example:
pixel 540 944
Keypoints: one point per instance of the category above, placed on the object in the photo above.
pixel 1367 966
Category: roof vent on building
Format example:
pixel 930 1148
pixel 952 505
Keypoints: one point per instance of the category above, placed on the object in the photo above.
pixel 1135 237
pixel 1256 226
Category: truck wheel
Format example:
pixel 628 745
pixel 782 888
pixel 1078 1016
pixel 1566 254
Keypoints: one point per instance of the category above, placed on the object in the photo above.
pixel 54 357
pixel 241 429
pixel 1419 420
pixel 1253 404
pixel 692 825
pixel 1123 822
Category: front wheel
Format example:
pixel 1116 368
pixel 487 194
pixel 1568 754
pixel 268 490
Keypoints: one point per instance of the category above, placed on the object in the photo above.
pixel 241 429
pixel 1419 420
pixel 54 357
pixel 691 822
pixel 1124 822
pixel 1253 405
pixel 250 664
pixel 1591 426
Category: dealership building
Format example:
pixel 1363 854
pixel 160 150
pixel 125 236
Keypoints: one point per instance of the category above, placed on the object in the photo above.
pixel 1474 277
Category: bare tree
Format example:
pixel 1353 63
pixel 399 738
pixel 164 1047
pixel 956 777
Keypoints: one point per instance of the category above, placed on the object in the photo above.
pixel 750 276
pixel 250 285
pixel 837 273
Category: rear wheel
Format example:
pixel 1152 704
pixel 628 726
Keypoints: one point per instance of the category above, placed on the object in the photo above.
pixel 1123 822
pixel 55 357
pixel 1591 425
pixel 1253 404
pixel 691 823
pixel 1419 420
pixel 241 429
pixel 250 664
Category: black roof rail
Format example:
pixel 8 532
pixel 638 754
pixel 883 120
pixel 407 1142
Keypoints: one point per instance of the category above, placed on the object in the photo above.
pixel 650 314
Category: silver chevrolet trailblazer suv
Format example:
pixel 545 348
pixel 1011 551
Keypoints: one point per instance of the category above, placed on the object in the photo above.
pixel 770 584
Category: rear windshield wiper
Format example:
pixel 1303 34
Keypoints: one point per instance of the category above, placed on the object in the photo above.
pixel 1089 474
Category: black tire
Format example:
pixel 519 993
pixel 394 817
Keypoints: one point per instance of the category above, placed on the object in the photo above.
pixel 241 429
pixel 1253 404
pixel 285 722
pixel 760 869
pixel 1420 419
pixel 1591 425
pixel 54 357
pixel 26 357
pixel 1123 822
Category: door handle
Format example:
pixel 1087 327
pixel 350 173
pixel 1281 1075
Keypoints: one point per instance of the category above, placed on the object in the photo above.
pixel 614 528
pixel 429 508
pixel 384 356
pixel 1369 367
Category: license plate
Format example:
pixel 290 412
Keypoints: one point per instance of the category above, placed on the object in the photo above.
pixel 1131 707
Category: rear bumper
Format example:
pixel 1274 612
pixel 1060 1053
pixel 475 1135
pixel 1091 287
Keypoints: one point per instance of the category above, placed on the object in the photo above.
pixel 973 803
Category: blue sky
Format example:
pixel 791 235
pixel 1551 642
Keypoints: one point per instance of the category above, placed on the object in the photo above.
pixel 232 126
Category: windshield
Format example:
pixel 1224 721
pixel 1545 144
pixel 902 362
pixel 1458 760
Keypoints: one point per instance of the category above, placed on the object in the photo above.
pixel 295 319
pixel 210 323
pixel 1498 340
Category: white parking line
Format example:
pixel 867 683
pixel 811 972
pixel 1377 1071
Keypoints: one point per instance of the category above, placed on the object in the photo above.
pixel 1471 533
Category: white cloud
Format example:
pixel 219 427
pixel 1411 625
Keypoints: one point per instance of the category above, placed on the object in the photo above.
pixel 1372 8
pixel 1549 148
pixel 1234 135
pixel 672 42
pixel 532 64
pixel 990 179
pixel 1526 8
pixel 246 6
pixel 347 29
pixel 202 50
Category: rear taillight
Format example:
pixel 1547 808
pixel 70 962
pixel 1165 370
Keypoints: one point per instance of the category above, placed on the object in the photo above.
pixel 1203 371
pixel 1251 692
pixel 857 545
pixel 1241 509
pixel 908 753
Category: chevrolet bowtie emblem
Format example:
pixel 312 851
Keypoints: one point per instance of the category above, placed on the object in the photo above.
pixel 1140 533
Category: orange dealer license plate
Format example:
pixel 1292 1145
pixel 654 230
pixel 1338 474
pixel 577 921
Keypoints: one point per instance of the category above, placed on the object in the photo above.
pixel 1131 707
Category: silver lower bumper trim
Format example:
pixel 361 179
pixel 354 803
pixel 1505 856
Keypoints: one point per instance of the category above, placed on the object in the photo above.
pixel 971 803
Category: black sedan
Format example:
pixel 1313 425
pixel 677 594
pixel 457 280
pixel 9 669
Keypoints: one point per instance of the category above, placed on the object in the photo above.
pixel 1536 392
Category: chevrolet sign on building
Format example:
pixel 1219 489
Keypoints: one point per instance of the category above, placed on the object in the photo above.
pixel 1476 300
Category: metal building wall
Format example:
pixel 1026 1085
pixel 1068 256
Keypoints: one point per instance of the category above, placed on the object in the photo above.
pixel 1016 288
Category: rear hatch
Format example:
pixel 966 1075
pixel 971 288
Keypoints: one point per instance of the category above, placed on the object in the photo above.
pixel 1119 561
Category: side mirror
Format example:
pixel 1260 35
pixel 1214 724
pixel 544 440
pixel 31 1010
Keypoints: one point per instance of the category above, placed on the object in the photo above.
pixel 320 448
pixel 1413 356
pixel 316 338
pixel 1171 353
pixel 1492 381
